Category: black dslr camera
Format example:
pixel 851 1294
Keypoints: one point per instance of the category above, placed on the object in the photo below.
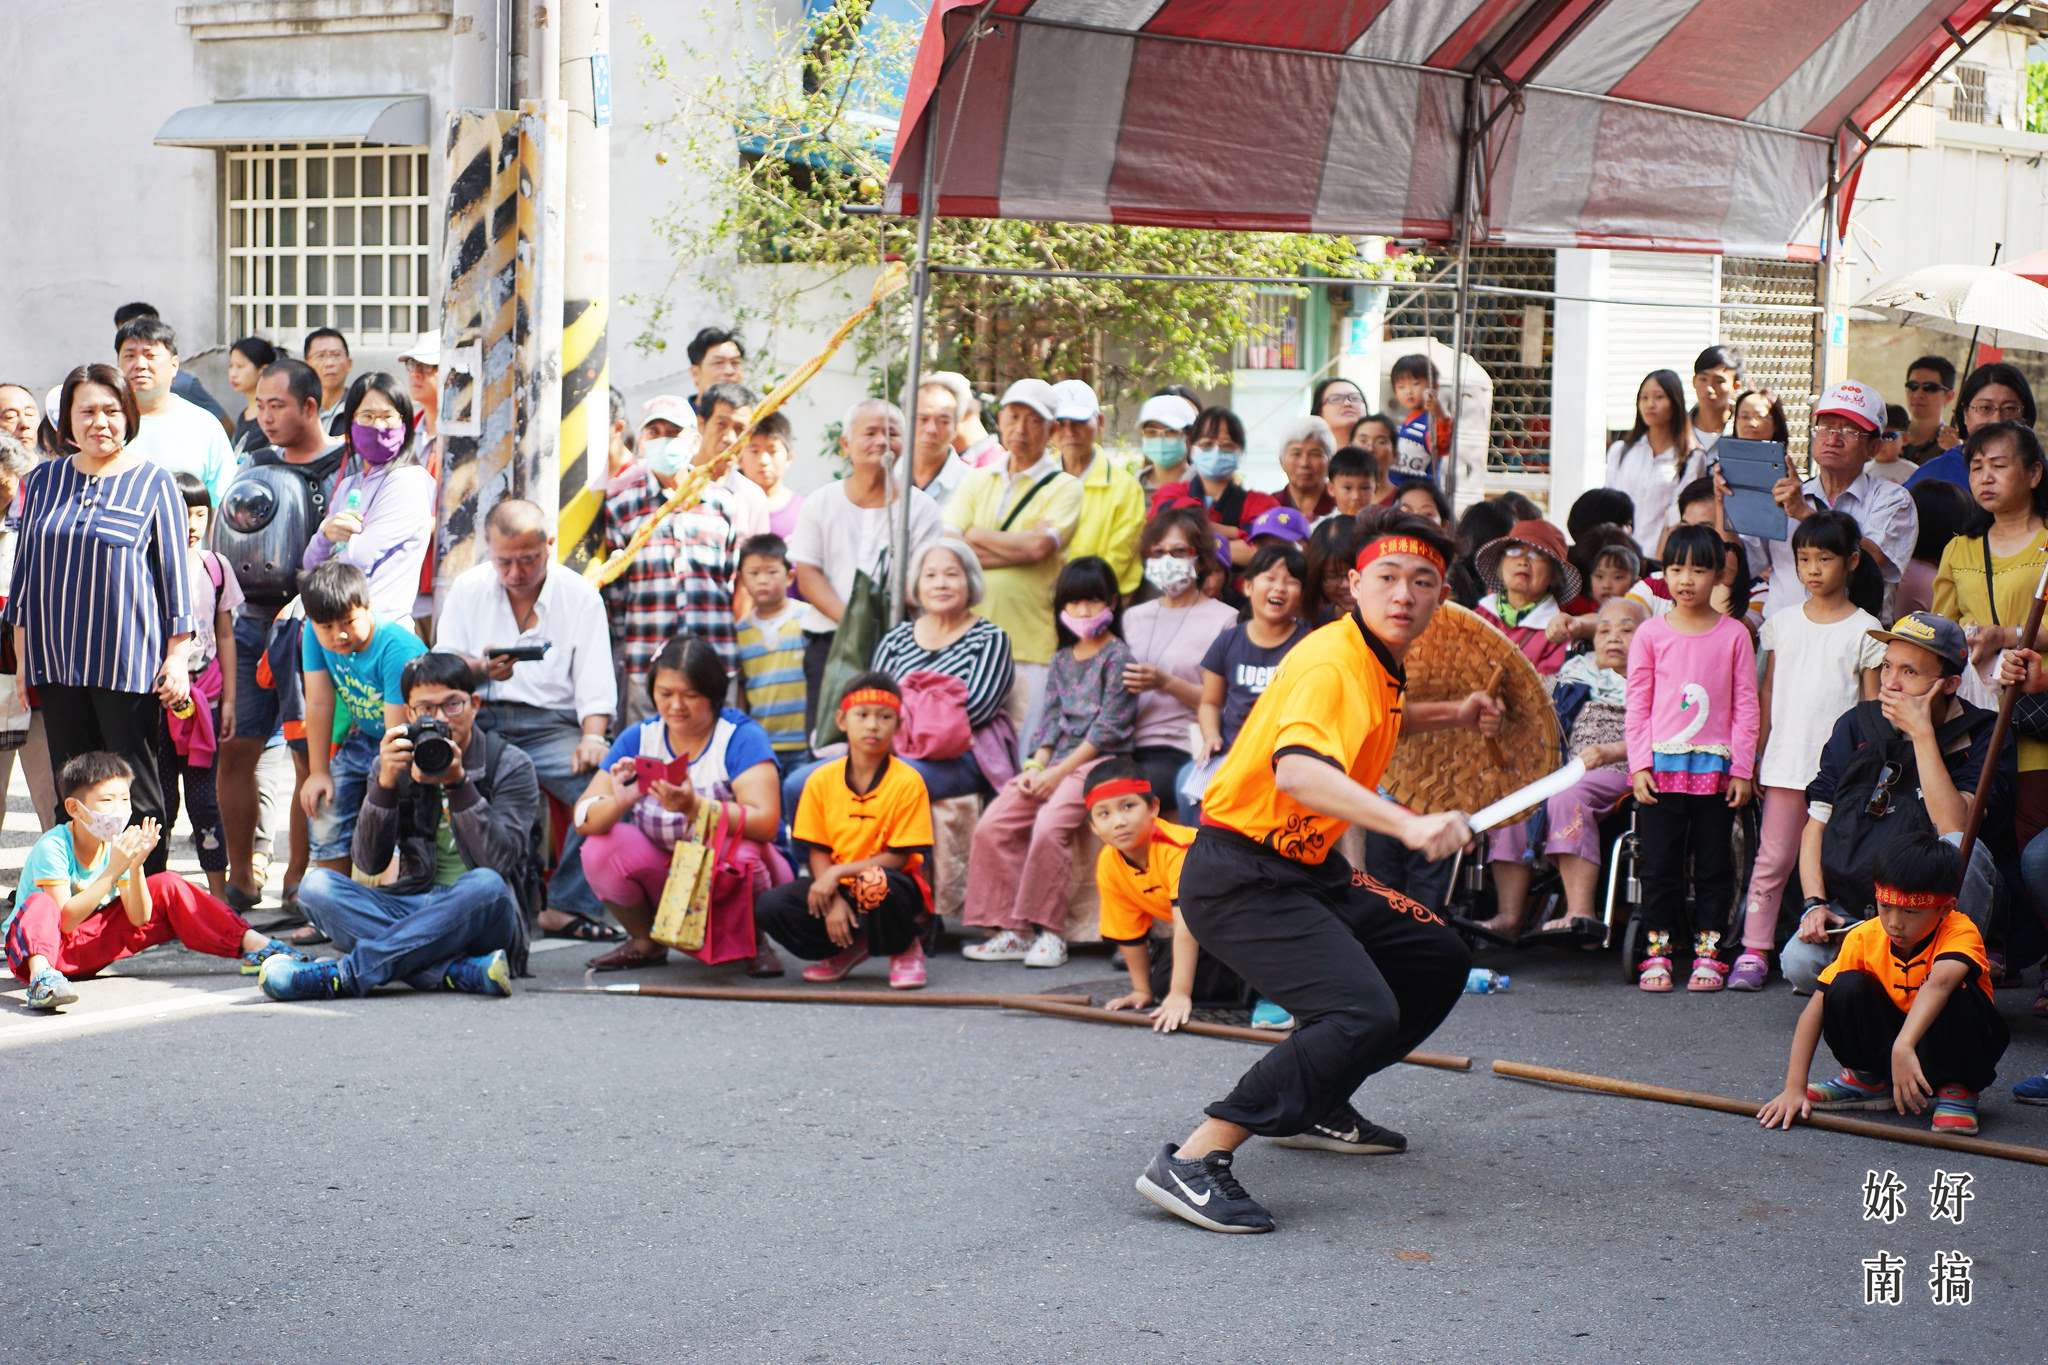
pixel 433 748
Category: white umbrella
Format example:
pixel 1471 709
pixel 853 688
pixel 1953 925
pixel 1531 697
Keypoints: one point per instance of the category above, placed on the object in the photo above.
pixel 1999 307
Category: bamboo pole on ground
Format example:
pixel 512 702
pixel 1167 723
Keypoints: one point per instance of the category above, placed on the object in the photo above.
pixel 1833 1123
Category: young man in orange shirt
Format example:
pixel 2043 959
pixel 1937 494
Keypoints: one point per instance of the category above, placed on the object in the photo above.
pixel 1366 972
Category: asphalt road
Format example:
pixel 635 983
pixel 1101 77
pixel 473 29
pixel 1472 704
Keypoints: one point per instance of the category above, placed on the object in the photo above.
pixel 192 1172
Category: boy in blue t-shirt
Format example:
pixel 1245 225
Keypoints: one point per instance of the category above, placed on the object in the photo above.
pixel 349 657
pixel 83 902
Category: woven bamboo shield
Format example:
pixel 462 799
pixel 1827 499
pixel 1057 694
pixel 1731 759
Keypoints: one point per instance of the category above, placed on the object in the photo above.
pixel 1440 770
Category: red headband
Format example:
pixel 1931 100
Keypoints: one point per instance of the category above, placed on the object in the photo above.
pixel 1400 545
pixel 1119 786
pixel 1913 900
pixel 870 696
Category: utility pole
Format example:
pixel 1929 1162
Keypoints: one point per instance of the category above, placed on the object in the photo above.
pixel 584 65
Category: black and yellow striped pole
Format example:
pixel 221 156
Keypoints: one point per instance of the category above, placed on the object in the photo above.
pixel 586 279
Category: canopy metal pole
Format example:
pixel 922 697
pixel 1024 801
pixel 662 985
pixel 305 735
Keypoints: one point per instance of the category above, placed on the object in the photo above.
pixel 1827 282
pixel 1466 157
pixel 1324 281
pixel 920 293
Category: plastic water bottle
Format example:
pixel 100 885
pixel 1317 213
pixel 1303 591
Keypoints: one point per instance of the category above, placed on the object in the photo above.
pixel 354 503
pixel 1485 981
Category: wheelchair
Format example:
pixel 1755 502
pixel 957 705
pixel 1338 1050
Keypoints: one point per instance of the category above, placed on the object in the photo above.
pixel 1620 886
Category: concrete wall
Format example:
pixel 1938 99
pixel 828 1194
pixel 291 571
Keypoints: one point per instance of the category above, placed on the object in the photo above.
pixel 130 220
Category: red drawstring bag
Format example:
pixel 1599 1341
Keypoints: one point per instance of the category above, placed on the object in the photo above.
pixel 934 717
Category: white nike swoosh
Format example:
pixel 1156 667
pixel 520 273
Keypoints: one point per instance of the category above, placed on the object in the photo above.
pixel 1199 1202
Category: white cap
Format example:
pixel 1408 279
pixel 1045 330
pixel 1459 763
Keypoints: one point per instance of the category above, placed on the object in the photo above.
pixel 668 407
pixel 1859 403
pixel 1074 401
pixel 1169 410
pixel 1035 394
pixel 426 349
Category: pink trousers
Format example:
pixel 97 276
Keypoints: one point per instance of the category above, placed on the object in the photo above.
pixel 1022 858
pixel 179 910
pixel 625 867
pixel 1777 859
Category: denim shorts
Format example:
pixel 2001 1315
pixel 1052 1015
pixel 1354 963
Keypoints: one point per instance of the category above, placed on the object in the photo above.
pixel 351 767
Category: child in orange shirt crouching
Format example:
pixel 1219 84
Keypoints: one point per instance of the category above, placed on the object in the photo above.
pixel 1905 1006
pixel 865 822
pixel 1137 876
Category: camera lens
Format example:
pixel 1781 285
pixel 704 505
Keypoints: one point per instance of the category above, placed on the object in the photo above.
pixel 432 749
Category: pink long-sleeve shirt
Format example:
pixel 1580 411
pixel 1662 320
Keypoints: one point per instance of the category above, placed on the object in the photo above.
pixel 1692 706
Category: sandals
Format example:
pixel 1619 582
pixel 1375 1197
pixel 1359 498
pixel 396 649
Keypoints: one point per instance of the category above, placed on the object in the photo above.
pixel 1709 972
pixel 628 956
pixel 1654 972
pixel 584 929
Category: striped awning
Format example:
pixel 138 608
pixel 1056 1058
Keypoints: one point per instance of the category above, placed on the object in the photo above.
pixel 1689 125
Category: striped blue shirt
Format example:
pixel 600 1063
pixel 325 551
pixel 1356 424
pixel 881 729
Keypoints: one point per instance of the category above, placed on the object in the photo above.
pixel 99 575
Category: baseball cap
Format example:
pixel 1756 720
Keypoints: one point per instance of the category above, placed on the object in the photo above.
pixel 1859 403
pixel 425 348
pixel 669 407
pixel 1074 401
pixel 1285 522
pixel 1936 634
pixel 1035 394
pixel 1169 410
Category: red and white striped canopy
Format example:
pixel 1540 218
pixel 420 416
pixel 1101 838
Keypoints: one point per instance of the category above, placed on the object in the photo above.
pixel 1691 125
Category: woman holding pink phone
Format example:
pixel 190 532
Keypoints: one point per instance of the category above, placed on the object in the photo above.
pixel 644 800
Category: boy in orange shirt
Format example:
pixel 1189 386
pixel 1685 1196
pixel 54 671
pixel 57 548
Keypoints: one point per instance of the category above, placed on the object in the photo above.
pixel 867 821
pixel 1137 876
pixel 1905 1006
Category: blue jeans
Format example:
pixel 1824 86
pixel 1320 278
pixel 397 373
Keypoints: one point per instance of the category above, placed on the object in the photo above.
pixel 351 766
pixel 388 937
pixel 943 779
pixel 549 738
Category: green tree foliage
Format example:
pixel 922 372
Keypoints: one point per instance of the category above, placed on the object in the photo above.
pixel 773 132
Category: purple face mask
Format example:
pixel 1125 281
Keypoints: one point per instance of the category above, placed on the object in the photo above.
pixel 377 445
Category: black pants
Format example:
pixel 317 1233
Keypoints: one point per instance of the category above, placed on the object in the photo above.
pixel 1162 764
pixel 1861 1021
pixel 202 801
pixel 784 914
pixel 1216 985
pixel 1393 864
pixel 816 649
pixel 80 720
pixel 1706 826
pixel 1366 972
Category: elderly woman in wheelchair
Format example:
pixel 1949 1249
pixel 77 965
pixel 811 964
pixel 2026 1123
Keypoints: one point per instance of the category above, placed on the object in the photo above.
pixel 1590 694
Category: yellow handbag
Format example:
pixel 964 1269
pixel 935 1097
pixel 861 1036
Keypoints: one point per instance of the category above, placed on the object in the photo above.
pixel 685 909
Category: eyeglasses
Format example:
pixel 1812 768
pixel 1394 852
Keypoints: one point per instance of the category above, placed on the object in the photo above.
pixel 450 709
pixel 1994 412
pixel 1174 552
pixel 1880 804
pixel 1344 396
pixel 1925 386
pixel 1519 552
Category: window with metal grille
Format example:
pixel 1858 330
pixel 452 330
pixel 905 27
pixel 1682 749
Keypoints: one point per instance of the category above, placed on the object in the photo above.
pixel 1970 105
pixel 1278 318
pixel 325 235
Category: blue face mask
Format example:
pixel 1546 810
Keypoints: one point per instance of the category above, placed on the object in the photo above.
pixel 1213 462
pixel 664 455
pixel 1165 451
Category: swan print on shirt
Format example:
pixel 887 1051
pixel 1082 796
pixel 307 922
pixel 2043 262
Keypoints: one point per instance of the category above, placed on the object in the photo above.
pixel 1678 764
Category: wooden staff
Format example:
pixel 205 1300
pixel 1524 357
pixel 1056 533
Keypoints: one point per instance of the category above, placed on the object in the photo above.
pixel 1834 1123
pixel 1493 749
pixel 1035 1004
pixel 691 489
pixel 2007 697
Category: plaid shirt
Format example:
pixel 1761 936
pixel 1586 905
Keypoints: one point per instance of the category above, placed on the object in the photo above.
pixel 681 581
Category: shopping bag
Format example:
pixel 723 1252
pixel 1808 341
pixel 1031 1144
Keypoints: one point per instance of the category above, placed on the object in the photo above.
pixel 681 916
pixel 860 630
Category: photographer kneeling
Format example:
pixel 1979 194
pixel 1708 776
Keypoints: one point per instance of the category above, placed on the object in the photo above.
pixel 460 807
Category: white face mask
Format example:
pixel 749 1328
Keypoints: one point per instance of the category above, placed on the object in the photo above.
pixel 103 825
pixel 1170 574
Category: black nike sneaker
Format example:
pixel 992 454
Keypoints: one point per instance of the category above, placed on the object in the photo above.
pixel 1346 1131
pixel 1204 1192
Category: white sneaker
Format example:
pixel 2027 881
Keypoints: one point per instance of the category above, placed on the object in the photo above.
pixel 1006 946
pixel 1047 950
